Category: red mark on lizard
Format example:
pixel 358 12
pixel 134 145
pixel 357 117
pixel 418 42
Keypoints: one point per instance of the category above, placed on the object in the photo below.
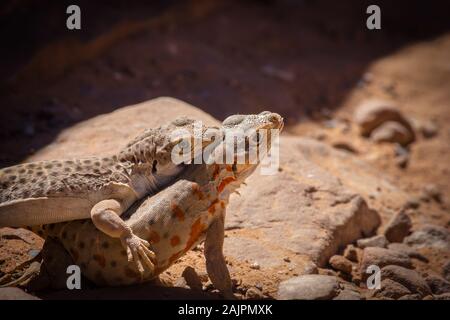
pixel 212 207
pixel 177 211
pixel 197 192
pixel 175 240
pixel 196 230
pixel 224 183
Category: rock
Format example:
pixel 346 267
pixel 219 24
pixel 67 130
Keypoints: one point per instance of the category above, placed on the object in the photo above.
pixel 411 279
pixel 348 295
pixel 309 287
pixel 329 272
pixel 371 114
pixel 402 161
pixel 398 227
pixel 10 293
pixel 254 293
pixel 348 292
pixel 255 265
pixel 192 278
pixel 310 268
pixel 430 236
pixel 431 191
pixel 376 241
pixel 17 234
pixel 345 146
pixel 330 213
pixel 390 289
pixel 393 132
pixel 445 296
pixel 340 263
pixel 437 284
pixel 383 257
pixel 429 129
pixel 446 270
pixel 410 297
pixel 203 276
pixel 407 250
pixel 351 253
pixel 412 203
pixel 181 283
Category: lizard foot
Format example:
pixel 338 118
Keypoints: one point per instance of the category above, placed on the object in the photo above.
pixel 138 251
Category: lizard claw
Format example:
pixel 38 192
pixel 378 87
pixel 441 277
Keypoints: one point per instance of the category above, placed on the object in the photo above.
pixel 138 251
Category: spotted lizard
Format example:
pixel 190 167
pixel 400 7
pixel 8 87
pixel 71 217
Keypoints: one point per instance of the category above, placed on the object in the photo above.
pixel 173 221
pixel 99 188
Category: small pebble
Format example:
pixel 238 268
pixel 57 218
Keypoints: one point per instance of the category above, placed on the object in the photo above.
pixel 255 266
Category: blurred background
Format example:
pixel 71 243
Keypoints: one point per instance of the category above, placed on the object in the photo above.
pixel 301 58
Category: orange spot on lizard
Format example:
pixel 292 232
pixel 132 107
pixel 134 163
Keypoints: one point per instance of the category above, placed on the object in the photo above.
pixel 177 211
pixel 197 192
pixel 196 230
pixel 175 240
pixel 212 207
pixel 224 183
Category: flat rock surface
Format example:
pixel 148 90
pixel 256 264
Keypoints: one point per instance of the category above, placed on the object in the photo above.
pixel 430 236
pixel 410 279
pixel 309 287
pixel 383 257
pixel 301 194
pixel 15 294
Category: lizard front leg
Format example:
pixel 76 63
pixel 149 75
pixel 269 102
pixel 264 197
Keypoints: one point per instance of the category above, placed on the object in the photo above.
pixel 106 217
pixel 215 261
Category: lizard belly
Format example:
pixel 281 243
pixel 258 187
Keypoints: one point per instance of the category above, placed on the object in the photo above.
pixel 45 210
pixel 103 260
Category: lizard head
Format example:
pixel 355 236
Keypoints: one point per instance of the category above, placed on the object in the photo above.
pixel 246 141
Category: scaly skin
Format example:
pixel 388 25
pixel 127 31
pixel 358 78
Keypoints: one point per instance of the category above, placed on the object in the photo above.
pixel 173 221
pixel 102 189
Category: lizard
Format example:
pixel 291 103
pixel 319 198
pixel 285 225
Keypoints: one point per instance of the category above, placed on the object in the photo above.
pixel 99 188
pixel 173 221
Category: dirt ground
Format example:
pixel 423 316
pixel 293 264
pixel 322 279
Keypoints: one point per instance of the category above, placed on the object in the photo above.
pixel 310 61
